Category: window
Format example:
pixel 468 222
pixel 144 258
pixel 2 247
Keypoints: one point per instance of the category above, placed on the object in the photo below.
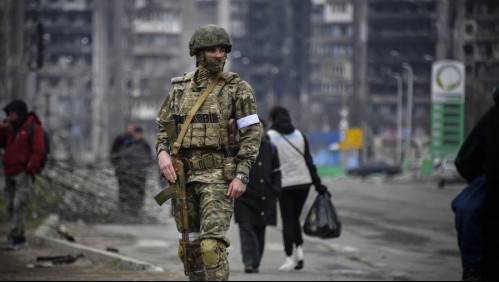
pixel 469 29
pixel 338 7
pixel 339 70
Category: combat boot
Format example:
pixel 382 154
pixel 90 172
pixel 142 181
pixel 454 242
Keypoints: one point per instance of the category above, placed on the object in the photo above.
pixel 197 275
pixel 220 273
pixel 16 242
pixel 473 273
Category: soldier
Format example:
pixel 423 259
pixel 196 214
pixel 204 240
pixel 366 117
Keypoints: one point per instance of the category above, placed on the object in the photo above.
pixel 217 146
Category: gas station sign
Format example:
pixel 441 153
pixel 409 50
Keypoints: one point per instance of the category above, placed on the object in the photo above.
pixel 448 90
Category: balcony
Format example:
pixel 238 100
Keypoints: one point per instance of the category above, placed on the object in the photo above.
pixel 382 36
pixel 69 49
pixel 161 51
pixel 486 17
pixel 387 17
pixel 489 36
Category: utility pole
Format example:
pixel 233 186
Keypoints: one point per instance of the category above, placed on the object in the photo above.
pixel 189 26
pixel 361 116
pixel 443 25
pixel 100 80
pixel 410 88
pixel 224 21
pixel 400 86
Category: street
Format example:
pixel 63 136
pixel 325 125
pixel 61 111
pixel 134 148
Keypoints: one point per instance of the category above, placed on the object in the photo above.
pixel 392 230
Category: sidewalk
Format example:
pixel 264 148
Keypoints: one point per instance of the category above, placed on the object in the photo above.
pixel 364 252
pixel 157 245
pixel 22 265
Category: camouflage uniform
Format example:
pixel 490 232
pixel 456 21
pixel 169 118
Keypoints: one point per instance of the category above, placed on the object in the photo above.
pixel 212 165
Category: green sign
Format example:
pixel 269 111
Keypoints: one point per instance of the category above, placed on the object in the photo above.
pixel 447 129
pixel 447 108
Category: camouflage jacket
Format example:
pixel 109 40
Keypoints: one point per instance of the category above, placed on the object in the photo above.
pixel 231 98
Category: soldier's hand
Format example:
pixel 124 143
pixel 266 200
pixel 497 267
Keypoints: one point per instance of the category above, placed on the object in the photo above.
pixel 236 188
pixel 166 167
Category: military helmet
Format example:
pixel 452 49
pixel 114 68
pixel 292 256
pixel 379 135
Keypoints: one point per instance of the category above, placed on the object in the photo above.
pixel 209 36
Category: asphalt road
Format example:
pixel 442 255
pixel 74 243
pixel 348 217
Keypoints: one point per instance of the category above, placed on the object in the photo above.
pixel 395 230
pixel 392 230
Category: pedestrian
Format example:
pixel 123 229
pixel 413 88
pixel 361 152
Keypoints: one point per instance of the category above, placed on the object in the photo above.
pixel 257 208
pixel 298 174
pixel 120 159
pixel 217 165
pixel 22 138
pixel 120 143
pixel 138 164
pixel 478 157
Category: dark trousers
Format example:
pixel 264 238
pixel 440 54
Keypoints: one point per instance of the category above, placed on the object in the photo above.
pixel 252 243
pixel 469 207
pixel 291 202
pixel 131 194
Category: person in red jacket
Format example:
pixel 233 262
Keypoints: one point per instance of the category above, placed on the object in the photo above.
pixel 21 137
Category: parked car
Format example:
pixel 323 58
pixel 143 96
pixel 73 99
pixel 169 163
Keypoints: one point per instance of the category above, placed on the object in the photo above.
pixel 375 167
pixel 446 172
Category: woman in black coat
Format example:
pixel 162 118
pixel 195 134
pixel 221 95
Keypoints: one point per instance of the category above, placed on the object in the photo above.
pixel 256 209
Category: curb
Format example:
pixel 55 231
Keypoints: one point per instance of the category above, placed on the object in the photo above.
pixel 45 237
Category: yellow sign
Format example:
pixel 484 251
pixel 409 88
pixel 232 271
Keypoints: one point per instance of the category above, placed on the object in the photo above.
pixel 354 139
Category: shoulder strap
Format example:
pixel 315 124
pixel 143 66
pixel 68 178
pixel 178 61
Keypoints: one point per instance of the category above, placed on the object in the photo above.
pixel 292 145
pixel 190 116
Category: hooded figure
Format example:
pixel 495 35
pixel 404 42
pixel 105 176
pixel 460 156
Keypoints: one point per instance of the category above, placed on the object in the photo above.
pixel 298 174
pixel 23 153
pixel 22 138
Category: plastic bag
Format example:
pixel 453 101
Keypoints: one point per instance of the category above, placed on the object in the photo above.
pixel 322 220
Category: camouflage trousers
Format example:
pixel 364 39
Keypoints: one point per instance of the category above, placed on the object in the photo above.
pixel 18 192
pixel 210 211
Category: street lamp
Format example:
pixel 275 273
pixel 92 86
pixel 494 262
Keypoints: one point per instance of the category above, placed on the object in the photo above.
pixel 410 89
pixel 410 94
pixel 400 85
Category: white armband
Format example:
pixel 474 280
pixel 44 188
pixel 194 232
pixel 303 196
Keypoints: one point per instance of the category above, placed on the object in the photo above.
pixel 247 121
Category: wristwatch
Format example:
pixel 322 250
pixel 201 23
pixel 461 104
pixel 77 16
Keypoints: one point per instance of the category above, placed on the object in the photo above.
pixel 243 177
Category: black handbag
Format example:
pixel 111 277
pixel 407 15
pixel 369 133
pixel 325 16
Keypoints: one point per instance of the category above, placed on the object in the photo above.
pixel 322 220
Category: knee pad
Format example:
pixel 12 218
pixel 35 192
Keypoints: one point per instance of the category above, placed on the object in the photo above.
pixel 214 252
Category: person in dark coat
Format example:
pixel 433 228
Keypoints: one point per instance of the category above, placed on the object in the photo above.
pixel 119 145
pixel 120 161
pixel 256 209
pixel 478 157
pixel 24 151
pixel 136 165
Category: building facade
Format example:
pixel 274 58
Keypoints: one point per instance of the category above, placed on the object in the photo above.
pixel 332 67
pixel 400 33
pixel 271 43
pixel 476 43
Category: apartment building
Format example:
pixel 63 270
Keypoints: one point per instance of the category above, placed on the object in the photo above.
pixel 331 57
pixel 402 38
pixel 476 43
pixel 271 43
